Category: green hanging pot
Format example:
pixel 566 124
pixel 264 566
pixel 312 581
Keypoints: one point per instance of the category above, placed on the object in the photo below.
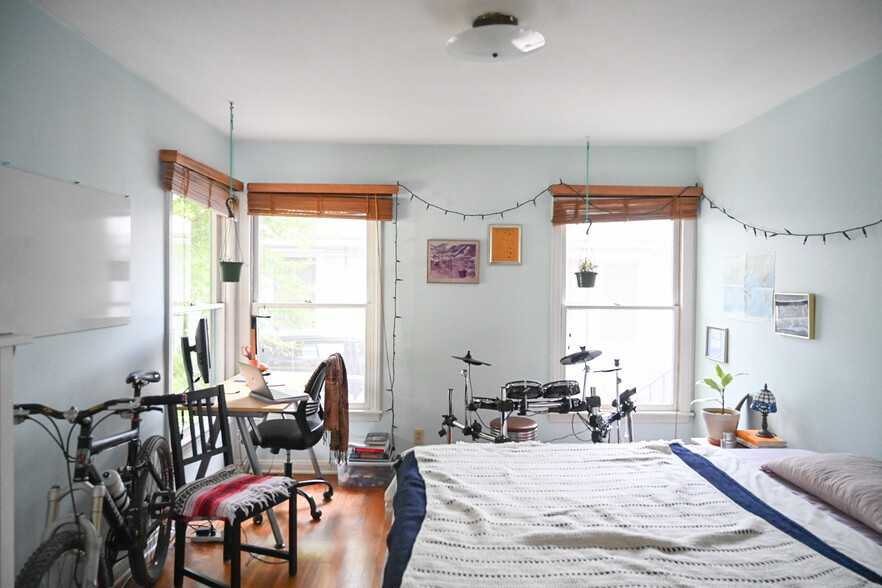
pixel 231 271
pixel 586 279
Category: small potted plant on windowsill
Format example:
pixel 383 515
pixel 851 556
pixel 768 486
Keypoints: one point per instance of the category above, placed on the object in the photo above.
pixel 719 420
pixel 586 275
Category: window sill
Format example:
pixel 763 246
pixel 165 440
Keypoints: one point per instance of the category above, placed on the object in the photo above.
pixel 660 416
pixel 365 415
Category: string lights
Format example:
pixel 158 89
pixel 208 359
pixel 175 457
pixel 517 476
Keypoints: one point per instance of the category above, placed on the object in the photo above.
pixel 786 232
pixel 481 215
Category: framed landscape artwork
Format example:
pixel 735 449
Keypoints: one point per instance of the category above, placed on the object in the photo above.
pixel 451 261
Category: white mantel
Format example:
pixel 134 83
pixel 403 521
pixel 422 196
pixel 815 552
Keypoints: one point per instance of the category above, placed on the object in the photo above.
pixel 8 342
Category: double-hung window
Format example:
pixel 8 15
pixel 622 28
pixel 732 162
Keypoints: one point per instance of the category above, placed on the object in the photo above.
pixel 194 286
pixel 316 293
pixel 198 200
pixel 317 283
pixel 639 312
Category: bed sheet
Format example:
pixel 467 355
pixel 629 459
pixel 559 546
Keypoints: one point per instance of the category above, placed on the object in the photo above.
pixel 582 566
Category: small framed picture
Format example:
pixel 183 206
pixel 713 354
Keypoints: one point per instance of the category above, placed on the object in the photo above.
pixel 505 244
pixel 716 346
pixel 795 315
pixel 452 261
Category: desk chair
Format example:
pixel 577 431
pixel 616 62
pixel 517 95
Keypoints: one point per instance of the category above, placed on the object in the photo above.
pixel 301 433
pixel 228 494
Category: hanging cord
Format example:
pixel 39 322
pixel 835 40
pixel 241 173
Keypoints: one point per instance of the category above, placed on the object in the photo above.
pixel 587 183
pixel 230 200
pixel 390 357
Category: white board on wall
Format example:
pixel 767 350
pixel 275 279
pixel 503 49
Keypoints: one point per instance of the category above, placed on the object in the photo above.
pixel 65 256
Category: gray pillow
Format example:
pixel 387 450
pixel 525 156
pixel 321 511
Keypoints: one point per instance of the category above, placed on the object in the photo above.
pixel 852 483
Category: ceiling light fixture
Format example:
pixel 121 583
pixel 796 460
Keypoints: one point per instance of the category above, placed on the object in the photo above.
pixel 495 37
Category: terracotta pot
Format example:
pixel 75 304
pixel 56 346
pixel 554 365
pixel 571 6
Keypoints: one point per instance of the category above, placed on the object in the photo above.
pixel 719 421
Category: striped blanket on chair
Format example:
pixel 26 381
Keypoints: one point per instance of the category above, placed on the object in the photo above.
pixel 229 494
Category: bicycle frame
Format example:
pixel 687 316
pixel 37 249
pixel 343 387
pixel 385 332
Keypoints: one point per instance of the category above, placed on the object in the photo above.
pixel 128 526
pixel 88 480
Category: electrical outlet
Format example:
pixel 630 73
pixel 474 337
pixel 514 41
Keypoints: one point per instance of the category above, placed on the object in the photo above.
pixel 417 436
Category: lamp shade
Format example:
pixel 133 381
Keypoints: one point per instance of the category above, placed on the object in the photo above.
pixel 764 401
pixel 495 37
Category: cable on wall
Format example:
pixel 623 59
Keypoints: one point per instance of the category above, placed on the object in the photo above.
pixel 787 233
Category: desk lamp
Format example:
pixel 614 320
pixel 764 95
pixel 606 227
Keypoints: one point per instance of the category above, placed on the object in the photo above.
pixel 764 403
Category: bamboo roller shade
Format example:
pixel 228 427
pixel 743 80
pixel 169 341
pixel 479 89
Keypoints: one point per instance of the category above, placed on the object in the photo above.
pixel 198 182
pixel 364 201
pixel 618 203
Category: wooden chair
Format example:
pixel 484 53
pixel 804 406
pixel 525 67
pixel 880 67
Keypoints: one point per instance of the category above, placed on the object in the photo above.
pixel 227 494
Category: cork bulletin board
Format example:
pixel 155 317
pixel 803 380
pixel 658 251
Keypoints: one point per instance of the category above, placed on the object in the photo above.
pixel 505 244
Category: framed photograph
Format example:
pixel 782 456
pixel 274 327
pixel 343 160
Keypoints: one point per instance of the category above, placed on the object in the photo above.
pixel 505 244
pixel 795 315
pixel 452 262
pixel 716 346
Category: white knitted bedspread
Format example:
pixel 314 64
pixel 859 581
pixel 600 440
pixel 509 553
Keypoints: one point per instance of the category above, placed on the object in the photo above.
pixel 534 515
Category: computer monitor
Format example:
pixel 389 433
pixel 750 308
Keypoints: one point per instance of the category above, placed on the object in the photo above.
pixel 203 354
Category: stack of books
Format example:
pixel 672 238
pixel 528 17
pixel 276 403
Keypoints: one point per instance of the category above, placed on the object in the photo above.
pixel 376 447
pixel 748 438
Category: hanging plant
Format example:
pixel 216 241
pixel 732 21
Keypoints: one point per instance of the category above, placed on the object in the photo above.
pixel 586 275
pixel 230 268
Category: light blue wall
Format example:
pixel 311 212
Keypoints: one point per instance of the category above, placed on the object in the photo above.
pixel 69 112
pixel 505 319
pixel 810 165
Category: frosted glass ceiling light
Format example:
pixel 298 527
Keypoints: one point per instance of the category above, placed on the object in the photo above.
pixel 495 37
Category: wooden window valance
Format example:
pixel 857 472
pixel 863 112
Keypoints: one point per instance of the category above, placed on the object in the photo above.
pixel 365 201
pixel 198 182
pixel 624 203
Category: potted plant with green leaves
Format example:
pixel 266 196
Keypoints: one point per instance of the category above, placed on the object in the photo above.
pixel 723 419
pixel 586 275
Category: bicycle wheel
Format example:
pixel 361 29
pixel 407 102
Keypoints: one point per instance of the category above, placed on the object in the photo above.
pixel 156 475
pixel 58 563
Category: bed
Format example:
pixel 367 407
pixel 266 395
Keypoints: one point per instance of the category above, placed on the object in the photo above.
pixel 648 513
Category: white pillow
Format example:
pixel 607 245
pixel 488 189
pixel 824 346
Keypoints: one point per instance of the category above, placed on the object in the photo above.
pixel 852 483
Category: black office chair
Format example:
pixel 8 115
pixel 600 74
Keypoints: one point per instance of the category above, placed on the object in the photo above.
pixel 299 434
pixel 228 494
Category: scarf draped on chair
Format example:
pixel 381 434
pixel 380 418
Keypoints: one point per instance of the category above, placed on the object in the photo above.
pixel 337 407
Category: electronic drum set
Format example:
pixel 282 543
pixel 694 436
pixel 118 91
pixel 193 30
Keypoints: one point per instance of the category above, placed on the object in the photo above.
pixel 530 397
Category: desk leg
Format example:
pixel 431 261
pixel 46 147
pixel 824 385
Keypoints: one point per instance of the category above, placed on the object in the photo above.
pixel 245 434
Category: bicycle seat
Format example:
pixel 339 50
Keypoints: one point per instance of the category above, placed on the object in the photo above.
pixel 142 377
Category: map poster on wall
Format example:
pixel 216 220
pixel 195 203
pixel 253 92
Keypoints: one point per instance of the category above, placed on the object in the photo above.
pixel 749 286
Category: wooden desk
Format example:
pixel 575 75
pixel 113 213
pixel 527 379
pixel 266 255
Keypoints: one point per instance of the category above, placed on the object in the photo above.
pixel 244 409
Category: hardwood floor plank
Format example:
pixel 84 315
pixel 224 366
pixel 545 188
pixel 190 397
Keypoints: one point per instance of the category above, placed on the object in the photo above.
pixel 344 549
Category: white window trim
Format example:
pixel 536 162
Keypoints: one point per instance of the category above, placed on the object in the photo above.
pixel 219 337
pixel 372 410
pixel 684 315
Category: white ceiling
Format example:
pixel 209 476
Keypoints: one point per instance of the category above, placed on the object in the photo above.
pixel 622 72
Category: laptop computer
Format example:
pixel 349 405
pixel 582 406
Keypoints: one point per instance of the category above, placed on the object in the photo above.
pixel 259 389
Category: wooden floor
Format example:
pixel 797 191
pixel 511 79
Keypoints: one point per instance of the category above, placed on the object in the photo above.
pixel 344 549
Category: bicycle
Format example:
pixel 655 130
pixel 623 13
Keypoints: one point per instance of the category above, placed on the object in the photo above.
pixel 134 499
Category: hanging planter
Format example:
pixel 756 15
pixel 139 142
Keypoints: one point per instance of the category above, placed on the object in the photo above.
pixel 231 270
pixel 586 276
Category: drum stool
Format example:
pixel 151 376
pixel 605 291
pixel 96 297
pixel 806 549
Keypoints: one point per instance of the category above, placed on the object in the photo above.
pixel 519 428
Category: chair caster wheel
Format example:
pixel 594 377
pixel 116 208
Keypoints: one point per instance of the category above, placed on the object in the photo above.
pixel 328 494
pixel 316 515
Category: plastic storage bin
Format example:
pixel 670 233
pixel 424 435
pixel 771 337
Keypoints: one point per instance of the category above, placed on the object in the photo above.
pixel 365 473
